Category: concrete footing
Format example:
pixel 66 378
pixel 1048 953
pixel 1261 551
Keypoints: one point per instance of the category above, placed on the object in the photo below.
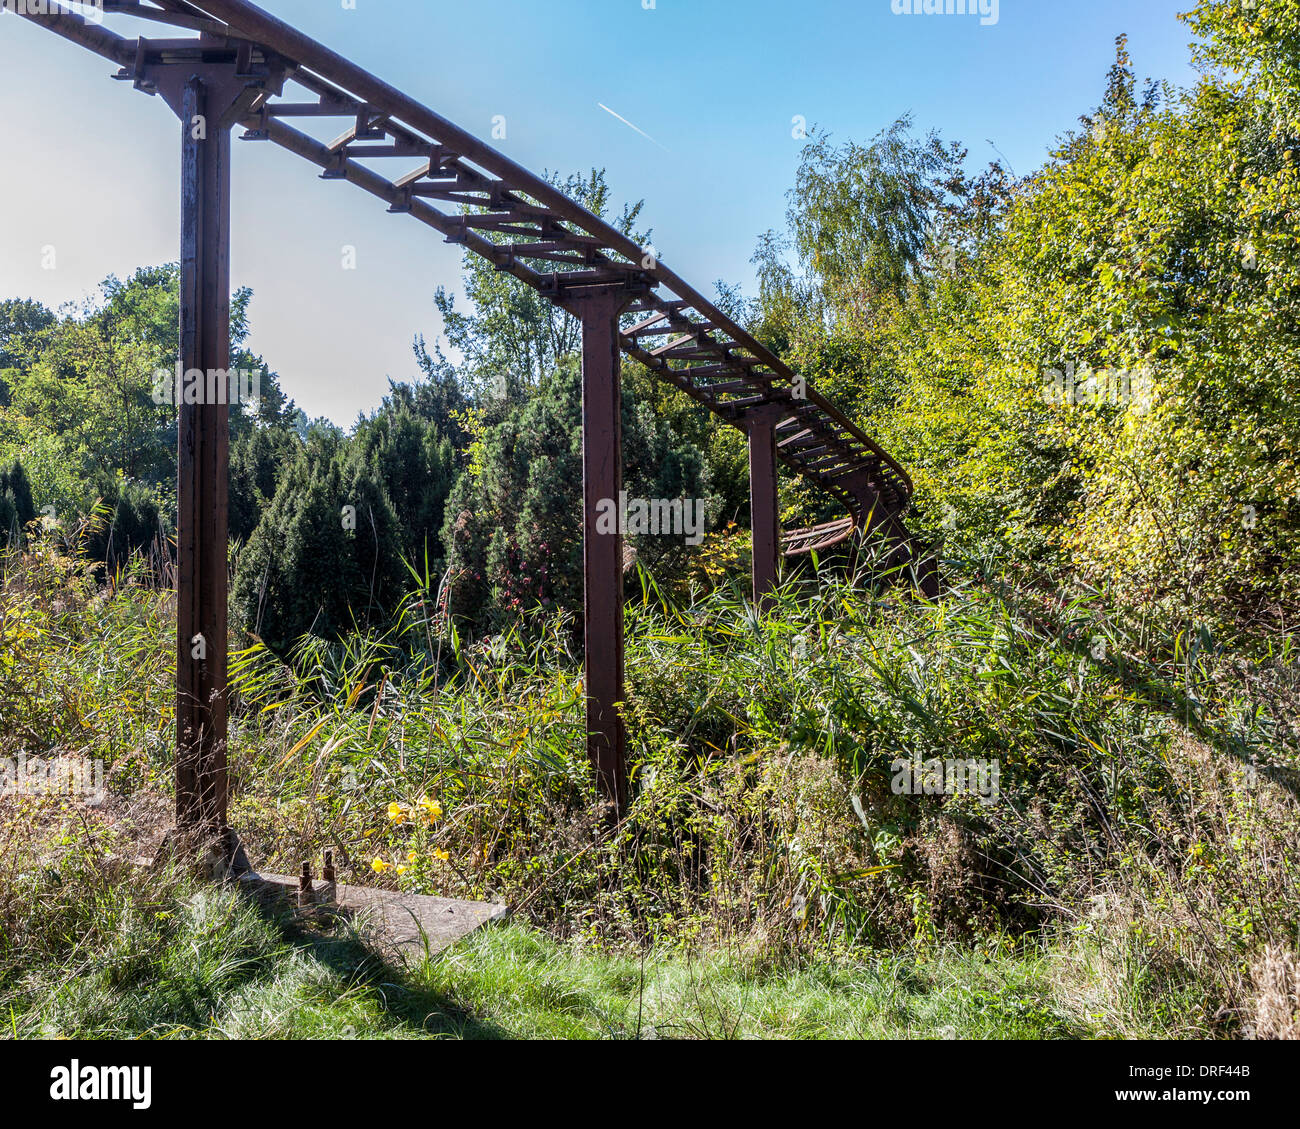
pixel 405 926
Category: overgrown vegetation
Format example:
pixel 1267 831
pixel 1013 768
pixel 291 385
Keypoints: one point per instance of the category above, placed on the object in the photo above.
pixel 1087 367
pixel 1116 639
pixel 1145 827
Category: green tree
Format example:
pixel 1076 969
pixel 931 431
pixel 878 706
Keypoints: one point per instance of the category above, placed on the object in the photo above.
pixel 259 458
pixel 1258 42
pixel 326 555
pixel 21 319
pixel 417 466
pixel 1153 257
pixel 514 520
pixel 17 510
pixel 129 522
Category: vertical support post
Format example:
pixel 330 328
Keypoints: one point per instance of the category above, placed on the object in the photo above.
pixel 901 551
pixel 765 532
pixel 201 472
pixel 602 485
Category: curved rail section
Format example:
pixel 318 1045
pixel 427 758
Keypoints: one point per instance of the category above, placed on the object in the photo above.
pixel 476 196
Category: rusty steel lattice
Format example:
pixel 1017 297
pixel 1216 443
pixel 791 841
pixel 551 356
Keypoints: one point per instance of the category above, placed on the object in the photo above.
pixel 242 67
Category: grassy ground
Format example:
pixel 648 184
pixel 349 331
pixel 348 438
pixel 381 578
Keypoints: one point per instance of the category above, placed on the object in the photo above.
pixel 210 966
pixel 1134 875
pixel 93 949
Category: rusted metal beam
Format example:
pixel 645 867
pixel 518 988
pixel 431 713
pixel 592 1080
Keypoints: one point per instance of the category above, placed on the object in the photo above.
pixel 202 470
pixel 174 18
pixel 518 200
pixel 207 96
pixel 313 59
pixel 818 539
pixel 63 21
pixel 765 532
pixel 602 484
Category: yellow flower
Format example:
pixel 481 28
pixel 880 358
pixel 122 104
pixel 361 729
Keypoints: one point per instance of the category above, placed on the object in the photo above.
pixel 431 809
pixel 380 865
pixel 440 854
pixel 402 870
pixel 396 813
pixel 411 856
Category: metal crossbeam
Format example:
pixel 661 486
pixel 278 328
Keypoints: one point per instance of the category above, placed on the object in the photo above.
pixel 491 198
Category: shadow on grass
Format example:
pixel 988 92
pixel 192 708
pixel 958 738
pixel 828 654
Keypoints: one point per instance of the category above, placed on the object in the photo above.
pixel 411 1007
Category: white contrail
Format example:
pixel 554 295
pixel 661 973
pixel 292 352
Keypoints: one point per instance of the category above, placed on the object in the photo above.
pixel 639 130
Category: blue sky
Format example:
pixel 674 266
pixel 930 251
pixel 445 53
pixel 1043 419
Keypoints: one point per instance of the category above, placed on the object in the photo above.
pixel 90 166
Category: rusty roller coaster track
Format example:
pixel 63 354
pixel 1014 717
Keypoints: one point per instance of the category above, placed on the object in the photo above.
pixel 251 70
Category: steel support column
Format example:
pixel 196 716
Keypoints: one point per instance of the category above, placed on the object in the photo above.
pixel 202 468
pixel 765 531
pixel 202 96
pixel 899 552
pixel 602 484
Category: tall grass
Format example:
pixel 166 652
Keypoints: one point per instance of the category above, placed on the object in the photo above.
pixel 1142 844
